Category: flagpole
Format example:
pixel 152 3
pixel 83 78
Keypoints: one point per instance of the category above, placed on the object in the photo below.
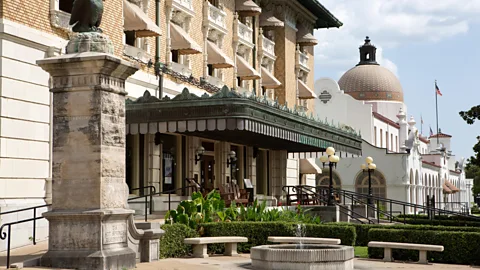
pixel 436 108
pixel 421 125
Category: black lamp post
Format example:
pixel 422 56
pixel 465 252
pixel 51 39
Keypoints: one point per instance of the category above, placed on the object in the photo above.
pixel 369 167
pixel 332 161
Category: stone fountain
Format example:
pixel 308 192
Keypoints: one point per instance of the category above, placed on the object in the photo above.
pixel 302 256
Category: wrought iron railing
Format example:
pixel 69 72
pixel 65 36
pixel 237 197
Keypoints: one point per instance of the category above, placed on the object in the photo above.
pixel 8 226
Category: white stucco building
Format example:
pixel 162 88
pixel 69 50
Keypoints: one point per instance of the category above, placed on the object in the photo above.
pixel 369 98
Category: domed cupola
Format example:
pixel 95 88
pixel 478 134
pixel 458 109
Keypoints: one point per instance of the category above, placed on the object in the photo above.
pixel 369 81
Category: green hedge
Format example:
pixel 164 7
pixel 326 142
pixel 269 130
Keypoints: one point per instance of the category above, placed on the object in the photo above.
pixel 460 247
pixel 362 230
pixel 171 243
pixel 258 232
pixel 437 222
pixel 440 217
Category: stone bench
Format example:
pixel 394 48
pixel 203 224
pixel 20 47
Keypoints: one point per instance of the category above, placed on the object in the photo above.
pixel 200 244
pixel 422 248
pixel 303 240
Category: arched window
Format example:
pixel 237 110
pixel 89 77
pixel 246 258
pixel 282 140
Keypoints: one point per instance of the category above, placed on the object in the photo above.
pixel 323 180
pixel 378 184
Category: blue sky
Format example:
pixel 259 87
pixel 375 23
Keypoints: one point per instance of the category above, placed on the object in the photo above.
pixel 419 41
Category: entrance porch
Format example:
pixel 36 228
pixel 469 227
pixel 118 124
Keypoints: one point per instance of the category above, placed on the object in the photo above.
pixel 223 138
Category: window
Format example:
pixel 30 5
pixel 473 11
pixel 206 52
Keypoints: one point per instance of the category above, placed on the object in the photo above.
pixel 375 136
pixel 65 5
pixel 213 2
pixel 210 69
pixel 175 56
pixel 391 142
pixel 130 38
pixel 381 138
pixel 396 143
pixel 386 139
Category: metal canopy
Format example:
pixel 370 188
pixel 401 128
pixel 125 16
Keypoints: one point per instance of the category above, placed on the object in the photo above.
pixel 248 120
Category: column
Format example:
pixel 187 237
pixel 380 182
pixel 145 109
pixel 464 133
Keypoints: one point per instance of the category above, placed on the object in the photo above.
pixel 408 194
pixel 154 162
pixel 252 168
pixel 222 149
pixel 89 214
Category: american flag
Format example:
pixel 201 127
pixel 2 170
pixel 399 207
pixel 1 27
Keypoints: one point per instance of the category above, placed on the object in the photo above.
pixel 431 132
pixel 437 89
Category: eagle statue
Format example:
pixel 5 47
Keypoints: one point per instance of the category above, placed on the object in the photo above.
pixel 86 15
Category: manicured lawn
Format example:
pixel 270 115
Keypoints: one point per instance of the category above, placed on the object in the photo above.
pixel 361 252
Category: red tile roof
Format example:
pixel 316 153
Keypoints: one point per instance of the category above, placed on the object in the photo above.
pixel 423 139
pixel 385 120
pixel 431 163
pixel 441 135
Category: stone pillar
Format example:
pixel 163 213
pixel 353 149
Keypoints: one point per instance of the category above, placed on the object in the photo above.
pixel 88 219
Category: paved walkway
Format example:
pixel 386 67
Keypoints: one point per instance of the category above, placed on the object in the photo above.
pixel 221 262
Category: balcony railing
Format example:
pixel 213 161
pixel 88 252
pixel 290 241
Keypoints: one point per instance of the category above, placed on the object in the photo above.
pixel 60 19
pixel 268 47
pixel 182 69
pixel 303 61
pixel 187 4
pixel 136 53
pixel 217 17
pixel 245 34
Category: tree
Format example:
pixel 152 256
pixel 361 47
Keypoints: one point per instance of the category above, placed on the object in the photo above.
pixel 471 115
pixel 472 168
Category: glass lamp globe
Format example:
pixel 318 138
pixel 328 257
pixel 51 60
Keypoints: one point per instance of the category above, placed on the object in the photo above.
pixel 363 166
pixel 200 150
pixel 369 160
pixel 372 166
pixel 323 159
pixel 330 151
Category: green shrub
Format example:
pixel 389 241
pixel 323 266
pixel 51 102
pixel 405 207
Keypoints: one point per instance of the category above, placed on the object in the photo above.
pixel 258 232
pixel 439 217
pixel 460 247
pixel 171 243
pixel 362 230
pixel 437 222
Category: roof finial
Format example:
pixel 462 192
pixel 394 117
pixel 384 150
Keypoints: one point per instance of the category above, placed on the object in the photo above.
pixel 367 53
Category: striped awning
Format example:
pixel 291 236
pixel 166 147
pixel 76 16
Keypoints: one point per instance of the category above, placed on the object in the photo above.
pixel 229 116
pixel 247 8
pixel 451 186
pixel 182 42
pixel 308 166
pixel 445 188
pixel 134 19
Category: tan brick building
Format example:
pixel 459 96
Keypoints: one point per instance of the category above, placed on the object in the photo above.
pixel 261 46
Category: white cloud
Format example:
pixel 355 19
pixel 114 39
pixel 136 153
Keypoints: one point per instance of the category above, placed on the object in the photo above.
pixel 389 23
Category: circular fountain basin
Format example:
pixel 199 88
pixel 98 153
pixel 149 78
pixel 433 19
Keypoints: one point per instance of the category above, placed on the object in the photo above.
pixel 305 257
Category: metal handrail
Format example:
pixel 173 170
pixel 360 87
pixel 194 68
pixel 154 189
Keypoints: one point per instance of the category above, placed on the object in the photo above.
pixel 304 190
pixel 169 192
pixel 369 206
pixel 153 190
pixel 7 235
pixel 406 204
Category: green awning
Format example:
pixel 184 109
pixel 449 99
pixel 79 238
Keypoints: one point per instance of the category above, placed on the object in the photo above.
pixel 248 120
pixel 325 18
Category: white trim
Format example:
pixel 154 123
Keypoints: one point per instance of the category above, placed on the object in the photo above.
pixel 30 37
